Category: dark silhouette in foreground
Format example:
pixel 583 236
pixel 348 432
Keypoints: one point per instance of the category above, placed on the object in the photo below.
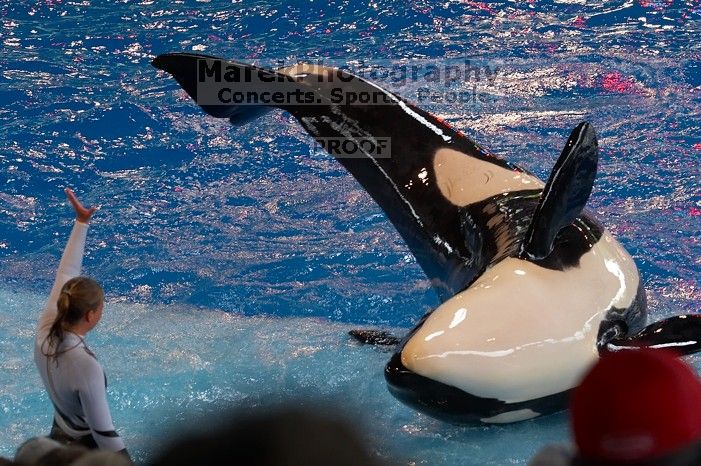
pixel 283 436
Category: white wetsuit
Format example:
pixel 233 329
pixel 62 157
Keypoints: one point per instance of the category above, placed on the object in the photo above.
pixel 75 380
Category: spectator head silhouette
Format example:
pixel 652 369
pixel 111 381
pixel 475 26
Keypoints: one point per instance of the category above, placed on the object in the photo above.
pixel 282 436
pixel 63 456
pixel 34 448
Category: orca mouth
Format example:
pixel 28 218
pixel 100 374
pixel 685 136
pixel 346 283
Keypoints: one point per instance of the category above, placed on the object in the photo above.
pixel 435 398
pixel 456 406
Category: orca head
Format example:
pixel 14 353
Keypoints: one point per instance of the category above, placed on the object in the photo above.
pixel 517 338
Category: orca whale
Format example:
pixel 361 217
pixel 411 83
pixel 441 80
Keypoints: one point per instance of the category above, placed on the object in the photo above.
pixel 532 287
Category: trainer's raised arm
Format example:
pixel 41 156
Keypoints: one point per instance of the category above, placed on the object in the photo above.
pixel 70 265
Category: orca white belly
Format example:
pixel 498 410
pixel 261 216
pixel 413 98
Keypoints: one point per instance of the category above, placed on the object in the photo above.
pixel 522 331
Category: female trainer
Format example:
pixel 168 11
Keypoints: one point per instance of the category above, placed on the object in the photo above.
pixel 71 374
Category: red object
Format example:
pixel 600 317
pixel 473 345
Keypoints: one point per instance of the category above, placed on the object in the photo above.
pixel 636 405
pixel 579 22
pixel 614 81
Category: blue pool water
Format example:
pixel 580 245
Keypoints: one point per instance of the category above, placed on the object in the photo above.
pixel 236 259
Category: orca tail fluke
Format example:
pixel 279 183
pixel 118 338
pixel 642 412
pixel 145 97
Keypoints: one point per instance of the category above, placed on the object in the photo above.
pixel 386 143
pixel 187 69
pixel 679 333
pixel 374 337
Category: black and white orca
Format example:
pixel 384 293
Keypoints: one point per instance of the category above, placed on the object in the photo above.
pixel 532 287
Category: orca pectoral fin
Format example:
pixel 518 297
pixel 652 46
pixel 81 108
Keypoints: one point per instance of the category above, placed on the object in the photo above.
pixel 679 333
pixel 565 193
pixel 374 337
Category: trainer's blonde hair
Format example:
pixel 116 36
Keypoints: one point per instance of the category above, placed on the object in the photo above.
pixel 78 296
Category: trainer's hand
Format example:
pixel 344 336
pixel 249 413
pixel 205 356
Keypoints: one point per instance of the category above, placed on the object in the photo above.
pixel 81 213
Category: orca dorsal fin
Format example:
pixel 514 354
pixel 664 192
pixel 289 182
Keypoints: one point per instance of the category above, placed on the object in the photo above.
pixel 565 193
